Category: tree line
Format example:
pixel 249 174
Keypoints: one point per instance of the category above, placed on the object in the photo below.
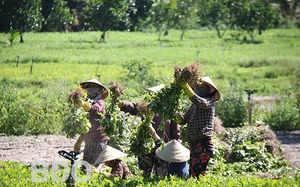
pixel 246 16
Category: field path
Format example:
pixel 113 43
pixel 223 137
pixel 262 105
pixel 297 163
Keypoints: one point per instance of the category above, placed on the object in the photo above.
pixel 45 147
pixel 42 148
pixel 291 143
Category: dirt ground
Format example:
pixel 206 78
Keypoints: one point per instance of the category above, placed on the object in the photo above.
pixel 290 142
pixel 44 148
pixel 27 149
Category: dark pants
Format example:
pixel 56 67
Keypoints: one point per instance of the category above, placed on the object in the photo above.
pixel 150 163
pixel 200 153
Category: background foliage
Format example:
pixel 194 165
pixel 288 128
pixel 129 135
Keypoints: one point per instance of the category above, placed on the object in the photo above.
pixel 247 17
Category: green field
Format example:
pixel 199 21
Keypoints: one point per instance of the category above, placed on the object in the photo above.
pixel 72 57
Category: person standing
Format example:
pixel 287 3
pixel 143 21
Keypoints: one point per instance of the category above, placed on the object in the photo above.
pixel 200 123
pixel 149 163
pixel 95 139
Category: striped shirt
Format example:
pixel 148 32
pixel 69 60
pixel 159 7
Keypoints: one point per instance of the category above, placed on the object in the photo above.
pixel 199 118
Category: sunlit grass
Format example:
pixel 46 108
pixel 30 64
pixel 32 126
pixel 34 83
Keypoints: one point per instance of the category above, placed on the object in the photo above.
pixel 73 57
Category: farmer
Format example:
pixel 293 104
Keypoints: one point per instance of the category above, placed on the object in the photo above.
pixel 95 139
pixel 174 153
pixel 200 123
pixel 150 163
pixel 110 156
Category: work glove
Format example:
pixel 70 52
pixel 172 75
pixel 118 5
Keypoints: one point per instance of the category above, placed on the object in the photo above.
pixel 186 88
pixel 152 131
pixel 85 105
pixel 78 143
pixel 178 118
pixel 120 103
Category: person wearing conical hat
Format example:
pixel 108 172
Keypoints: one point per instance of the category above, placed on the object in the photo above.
pixel 149 163
pixel 111 157
pixel 95 139
pixel 174 153
pixel 200 123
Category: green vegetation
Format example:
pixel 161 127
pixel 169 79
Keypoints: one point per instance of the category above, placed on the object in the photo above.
pixel 37 76
pixel 16 174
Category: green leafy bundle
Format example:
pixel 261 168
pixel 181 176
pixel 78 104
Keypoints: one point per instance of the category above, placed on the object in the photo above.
pixel 116 123
pixel 141 141
pixel 77 122
pixel 167 101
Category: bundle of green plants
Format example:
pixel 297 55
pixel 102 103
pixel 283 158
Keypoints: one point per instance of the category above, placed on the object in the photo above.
pixel 116 123
pixel 141 141
pixel 77 122
pixel 167 101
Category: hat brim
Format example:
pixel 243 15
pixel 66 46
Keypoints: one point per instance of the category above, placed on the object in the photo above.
pixel 155 88
pixel 173 151
pixel 96 82
pixel 108 154
pixel 207 81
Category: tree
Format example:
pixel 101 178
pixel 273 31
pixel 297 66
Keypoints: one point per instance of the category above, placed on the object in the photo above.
pixel 47 6
pixel 77 8
pixel 138 11
pixel 106 14
pixel 184 15
pixel 254 15
pixel 162 15
pixel 215 13
pixel 58 18
pixel 19 15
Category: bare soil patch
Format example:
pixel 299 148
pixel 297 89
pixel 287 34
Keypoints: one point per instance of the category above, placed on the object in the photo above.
pixel 27 149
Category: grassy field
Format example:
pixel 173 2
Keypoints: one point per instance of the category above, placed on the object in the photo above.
pixel 265 65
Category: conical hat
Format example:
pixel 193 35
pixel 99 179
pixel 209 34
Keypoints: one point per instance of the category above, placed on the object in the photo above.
pixel 209 82
pixel 108 154
pixel 95 81
pixel 173 151
pixel 155 88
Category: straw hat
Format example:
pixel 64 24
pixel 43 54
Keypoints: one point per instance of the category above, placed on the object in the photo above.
pixel 108 154
pixel 96 82
pixel 173 151
pixel 207 81
pixel 155 88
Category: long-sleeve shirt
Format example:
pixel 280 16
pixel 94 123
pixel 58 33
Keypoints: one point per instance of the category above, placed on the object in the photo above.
pixel 199 118
pixel 172 129
pixel 120 169
pixel 96 114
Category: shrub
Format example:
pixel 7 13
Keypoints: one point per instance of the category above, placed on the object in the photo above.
pixel 232 110
pixel 285 116
pixel 37 112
